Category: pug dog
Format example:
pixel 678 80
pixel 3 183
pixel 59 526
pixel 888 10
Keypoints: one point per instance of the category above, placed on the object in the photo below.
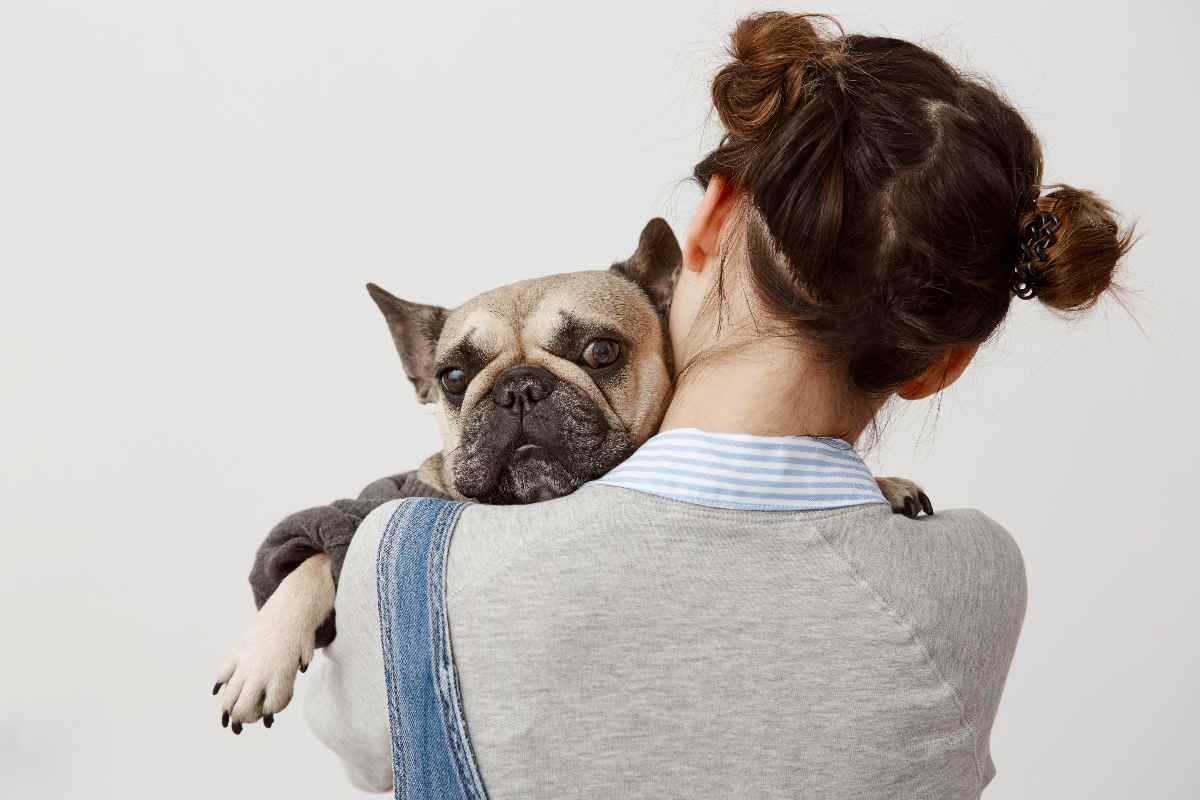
pixel 539 387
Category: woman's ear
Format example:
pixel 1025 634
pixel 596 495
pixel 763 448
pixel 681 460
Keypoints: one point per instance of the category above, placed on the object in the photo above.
pixel 940 374
pixel 704 234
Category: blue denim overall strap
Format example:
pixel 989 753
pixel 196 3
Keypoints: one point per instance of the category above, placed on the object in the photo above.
pixel 431 752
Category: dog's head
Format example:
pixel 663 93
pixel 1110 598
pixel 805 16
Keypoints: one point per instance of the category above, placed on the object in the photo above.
pixel 548 383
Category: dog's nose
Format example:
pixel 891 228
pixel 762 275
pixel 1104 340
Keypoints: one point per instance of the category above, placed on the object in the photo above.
pixel 518 388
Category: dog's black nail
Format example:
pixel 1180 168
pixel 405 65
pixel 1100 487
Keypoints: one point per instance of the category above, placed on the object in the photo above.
pixel 303 667
pixel 224 719
pixel 926 504
pixel 910 507
pixel 216 688
pixel 268 720
pixel 237 729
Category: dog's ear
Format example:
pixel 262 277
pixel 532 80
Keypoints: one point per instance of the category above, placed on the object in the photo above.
pixel 655 264
pixel 415 330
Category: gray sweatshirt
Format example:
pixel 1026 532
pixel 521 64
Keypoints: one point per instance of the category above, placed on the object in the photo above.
pixel 615 643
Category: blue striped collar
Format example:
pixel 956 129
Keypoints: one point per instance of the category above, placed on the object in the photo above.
pixel 734 470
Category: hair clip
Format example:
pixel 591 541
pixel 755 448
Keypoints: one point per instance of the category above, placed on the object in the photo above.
pixel 1036 239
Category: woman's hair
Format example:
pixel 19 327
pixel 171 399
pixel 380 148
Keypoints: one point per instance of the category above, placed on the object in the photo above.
pixel 889 197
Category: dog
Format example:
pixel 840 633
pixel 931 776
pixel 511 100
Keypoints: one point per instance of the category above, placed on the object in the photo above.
pixel 539 387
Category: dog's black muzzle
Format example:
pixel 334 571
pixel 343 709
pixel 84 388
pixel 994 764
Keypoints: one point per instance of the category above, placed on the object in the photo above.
pixel 535 436
pixel 517 393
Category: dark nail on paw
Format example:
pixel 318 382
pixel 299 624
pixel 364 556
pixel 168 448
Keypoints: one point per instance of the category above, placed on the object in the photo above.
pixel 237 728
pixel 216 688
pixel 268 720
pixel 224 719
pixel 926 504
pixel 303 667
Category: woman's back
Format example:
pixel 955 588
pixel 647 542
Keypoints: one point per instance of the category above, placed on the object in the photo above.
pixel 614 643
pixel 618 644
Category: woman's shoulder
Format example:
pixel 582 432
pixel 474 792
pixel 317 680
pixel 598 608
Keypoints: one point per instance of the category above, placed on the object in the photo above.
pixel 957 566
pixel 969 550
pixel 964 536
pixel 957 579
pixel 955 548
pixel 489 540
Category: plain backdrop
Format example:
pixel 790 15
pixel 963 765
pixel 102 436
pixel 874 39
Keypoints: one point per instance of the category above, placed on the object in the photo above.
pixel 192 196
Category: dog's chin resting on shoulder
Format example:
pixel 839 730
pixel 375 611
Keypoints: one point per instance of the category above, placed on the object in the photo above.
pixel 539 386
pixel 546 450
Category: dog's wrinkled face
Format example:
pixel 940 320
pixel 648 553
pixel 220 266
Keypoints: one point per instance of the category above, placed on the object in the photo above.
pixel 547 383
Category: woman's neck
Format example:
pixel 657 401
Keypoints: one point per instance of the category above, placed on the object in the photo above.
pixel 766 388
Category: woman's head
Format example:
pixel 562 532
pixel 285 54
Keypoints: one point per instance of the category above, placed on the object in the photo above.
pixel 875 198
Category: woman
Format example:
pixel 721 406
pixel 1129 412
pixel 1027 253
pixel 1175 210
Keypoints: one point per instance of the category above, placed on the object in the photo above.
pixel 734 611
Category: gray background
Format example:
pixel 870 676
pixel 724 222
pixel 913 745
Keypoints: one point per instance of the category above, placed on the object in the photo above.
pixel 192 195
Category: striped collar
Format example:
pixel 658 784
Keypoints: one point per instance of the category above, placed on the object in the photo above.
pixel 733 470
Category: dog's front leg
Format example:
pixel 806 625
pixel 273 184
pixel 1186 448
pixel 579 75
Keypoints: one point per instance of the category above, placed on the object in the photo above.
pixel 257 680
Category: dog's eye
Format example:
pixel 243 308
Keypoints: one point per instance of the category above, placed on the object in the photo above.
pixel 454 380
pixel 601 352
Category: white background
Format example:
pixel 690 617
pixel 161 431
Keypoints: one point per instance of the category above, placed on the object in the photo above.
pixel 193 194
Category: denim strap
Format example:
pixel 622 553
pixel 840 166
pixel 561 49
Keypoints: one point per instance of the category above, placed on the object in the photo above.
pixel 431 751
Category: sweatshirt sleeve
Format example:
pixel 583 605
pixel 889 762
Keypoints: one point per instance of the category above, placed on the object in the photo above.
pixel 958 579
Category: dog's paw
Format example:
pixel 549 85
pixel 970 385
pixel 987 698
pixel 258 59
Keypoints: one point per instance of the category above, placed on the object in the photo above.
pixel 258 679
pixel 906 497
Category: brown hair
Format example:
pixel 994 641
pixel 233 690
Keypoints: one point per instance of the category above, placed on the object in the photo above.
pixel 888 195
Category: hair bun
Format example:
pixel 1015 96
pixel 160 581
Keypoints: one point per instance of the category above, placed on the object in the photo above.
pixel 1089 244
pixel 771 53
